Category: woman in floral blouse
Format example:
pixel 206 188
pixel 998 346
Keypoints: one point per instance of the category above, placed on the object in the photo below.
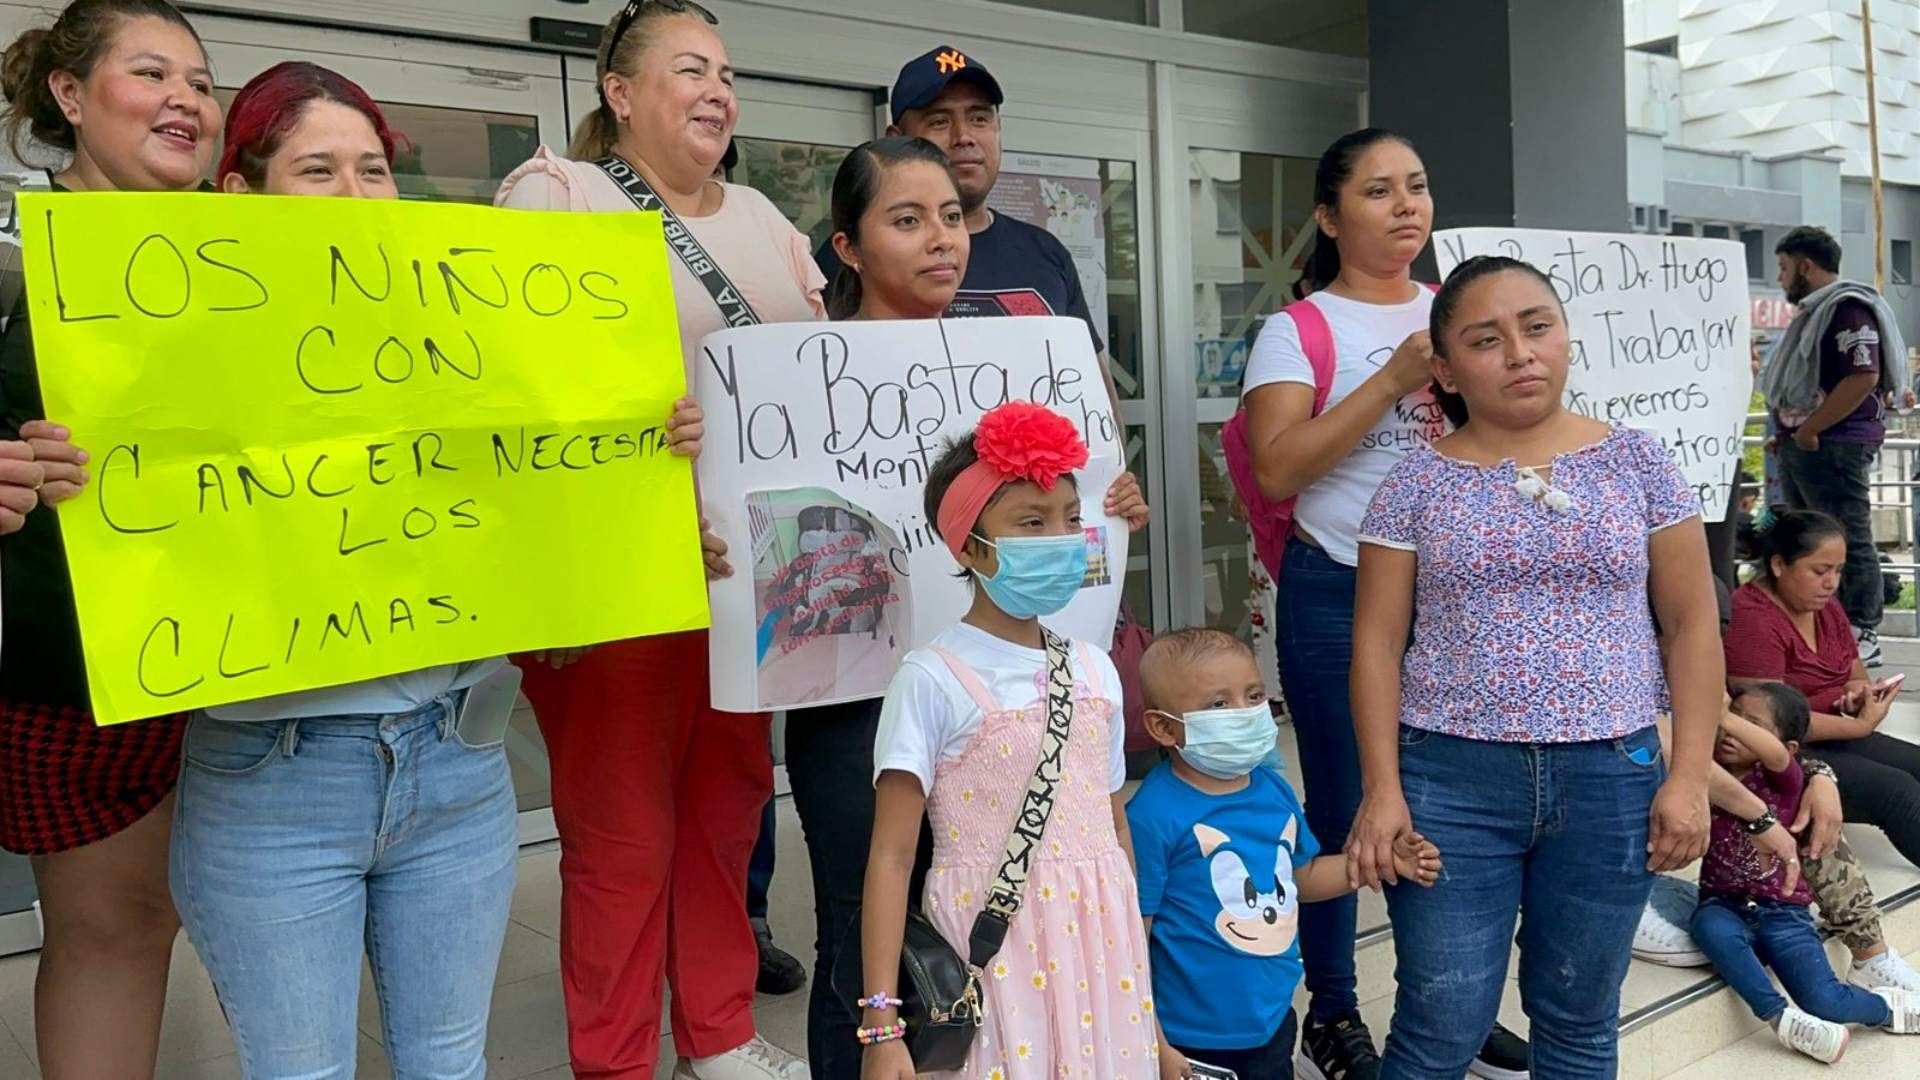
pixel 1506 678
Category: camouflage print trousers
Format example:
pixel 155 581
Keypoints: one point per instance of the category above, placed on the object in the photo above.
pixel 1846 903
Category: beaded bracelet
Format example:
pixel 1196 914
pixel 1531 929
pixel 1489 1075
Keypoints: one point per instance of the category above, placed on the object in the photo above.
pixel 884 1033
pixel 881 1000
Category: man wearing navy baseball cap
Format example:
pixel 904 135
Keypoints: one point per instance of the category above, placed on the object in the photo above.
pixel 951 100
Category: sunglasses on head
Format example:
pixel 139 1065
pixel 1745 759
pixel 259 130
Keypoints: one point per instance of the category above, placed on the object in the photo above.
pixel 635 7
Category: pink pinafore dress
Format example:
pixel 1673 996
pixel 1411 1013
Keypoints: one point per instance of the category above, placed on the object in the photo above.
pixel 1068 994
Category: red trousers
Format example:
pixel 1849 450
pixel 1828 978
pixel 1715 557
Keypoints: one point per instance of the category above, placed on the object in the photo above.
pixel 657 798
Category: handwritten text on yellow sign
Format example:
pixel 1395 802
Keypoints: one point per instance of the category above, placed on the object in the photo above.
pixel 335 439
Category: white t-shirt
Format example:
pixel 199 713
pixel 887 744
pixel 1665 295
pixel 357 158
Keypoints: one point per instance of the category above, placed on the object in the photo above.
pixel 928 717
pixel 1364 337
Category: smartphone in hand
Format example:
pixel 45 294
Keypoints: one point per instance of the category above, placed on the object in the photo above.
pixel 1203 1071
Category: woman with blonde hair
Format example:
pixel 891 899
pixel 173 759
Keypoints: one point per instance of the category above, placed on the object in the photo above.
pixel 656 794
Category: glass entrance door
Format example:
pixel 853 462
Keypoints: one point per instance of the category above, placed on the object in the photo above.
pixel 1091 187
pixel 1252 228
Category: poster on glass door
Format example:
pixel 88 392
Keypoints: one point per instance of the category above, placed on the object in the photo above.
pixel 1062 196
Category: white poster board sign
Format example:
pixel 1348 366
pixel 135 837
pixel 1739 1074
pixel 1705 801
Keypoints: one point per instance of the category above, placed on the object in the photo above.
pixel 819 439
pixel 1662 332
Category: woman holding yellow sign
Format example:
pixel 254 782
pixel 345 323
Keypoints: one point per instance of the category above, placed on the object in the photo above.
pixel 21 479
pixel 379 812
pixel 657 795
pixel 120 89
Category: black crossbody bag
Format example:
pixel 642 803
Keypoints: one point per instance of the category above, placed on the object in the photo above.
pixel 733 306
pixel 940 991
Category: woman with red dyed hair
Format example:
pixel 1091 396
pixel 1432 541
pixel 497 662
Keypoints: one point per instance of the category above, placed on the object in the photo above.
pixel 344 146
pixel 376 816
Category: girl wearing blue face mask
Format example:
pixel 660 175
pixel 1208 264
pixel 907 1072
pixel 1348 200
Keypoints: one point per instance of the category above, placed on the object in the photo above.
pixel 1225 859
pixel 968 724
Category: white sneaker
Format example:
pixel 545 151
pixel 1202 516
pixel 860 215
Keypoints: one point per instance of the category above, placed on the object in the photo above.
pixel 1868 640
pixel 1906 1011
pixel 1888 971
pixel 757 1060
pixel 1819 1039
pixel 1660 940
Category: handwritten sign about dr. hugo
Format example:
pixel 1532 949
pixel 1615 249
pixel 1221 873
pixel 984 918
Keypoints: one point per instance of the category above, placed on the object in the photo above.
pixel 1661 336
pixel 827 433
pixel 335 439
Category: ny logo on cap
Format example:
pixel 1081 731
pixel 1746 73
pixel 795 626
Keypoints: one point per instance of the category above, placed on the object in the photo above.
pixel 950 61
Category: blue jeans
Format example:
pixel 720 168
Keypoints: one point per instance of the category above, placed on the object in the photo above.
pixel 1837 480
pixel 295 842
pixel 1553 832
pixel 1313 632
pixel 1739 935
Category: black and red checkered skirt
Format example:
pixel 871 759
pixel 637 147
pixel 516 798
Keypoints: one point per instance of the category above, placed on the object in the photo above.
pixel 66 783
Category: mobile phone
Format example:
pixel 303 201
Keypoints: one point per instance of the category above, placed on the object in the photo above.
pixel 1204 1071
pixel 1891 682
pixel 488 707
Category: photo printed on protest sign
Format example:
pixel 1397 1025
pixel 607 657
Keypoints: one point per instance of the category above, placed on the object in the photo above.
pixel 849 418
pixel 336 439
pixel 831 613
pixel 1661 329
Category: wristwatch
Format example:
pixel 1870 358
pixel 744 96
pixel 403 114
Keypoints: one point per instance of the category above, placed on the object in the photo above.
pixel 1762 823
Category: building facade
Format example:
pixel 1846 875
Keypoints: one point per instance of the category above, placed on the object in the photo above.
pixel 1186 130
pixel 1747 119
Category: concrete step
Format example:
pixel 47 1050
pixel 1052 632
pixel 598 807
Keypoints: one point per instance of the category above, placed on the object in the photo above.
pixel 1676 1021
pixel 1685 1022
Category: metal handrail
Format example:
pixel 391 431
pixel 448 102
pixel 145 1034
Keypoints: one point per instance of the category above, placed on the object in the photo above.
pixel 1892 488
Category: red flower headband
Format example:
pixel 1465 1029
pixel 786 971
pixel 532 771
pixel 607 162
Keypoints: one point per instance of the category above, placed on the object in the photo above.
pixel 1016 441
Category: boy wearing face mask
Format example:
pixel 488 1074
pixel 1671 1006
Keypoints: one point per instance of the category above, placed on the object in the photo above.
pixel 1225 859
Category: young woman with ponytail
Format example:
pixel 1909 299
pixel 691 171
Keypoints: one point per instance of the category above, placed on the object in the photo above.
pixel 1373 212
pixel 114 96
pixel 656 794
pixel 902 246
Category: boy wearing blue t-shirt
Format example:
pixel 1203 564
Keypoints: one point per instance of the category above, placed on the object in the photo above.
pixel 1225 859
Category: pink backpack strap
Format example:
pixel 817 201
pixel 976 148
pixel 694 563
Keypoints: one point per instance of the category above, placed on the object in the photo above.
pixel 1316 340
pixel 1088 672
pixel 969 680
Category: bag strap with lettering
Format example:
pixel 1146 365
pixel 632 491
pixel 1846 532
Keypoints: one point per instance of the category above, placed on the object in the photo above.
pixel 1003 898
pixel 733 305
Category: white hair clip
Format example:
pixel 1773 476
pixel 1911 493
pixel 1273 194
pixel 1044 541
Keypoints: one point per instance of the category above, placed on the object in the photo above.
pixel 1531 486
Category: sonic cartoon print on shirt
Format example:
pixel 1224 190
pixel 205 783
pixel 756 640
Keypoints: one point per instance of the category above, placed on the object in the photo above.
pixel 1216 875
pixel 1259 909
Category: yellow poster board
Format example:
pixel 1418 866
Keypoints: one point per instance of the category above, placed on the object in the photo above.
pixel 334 439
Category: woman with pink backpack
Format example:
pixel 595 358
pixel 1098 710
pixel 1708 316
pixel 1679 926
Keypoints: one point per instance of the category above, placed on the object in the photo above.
pixel 1337 391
